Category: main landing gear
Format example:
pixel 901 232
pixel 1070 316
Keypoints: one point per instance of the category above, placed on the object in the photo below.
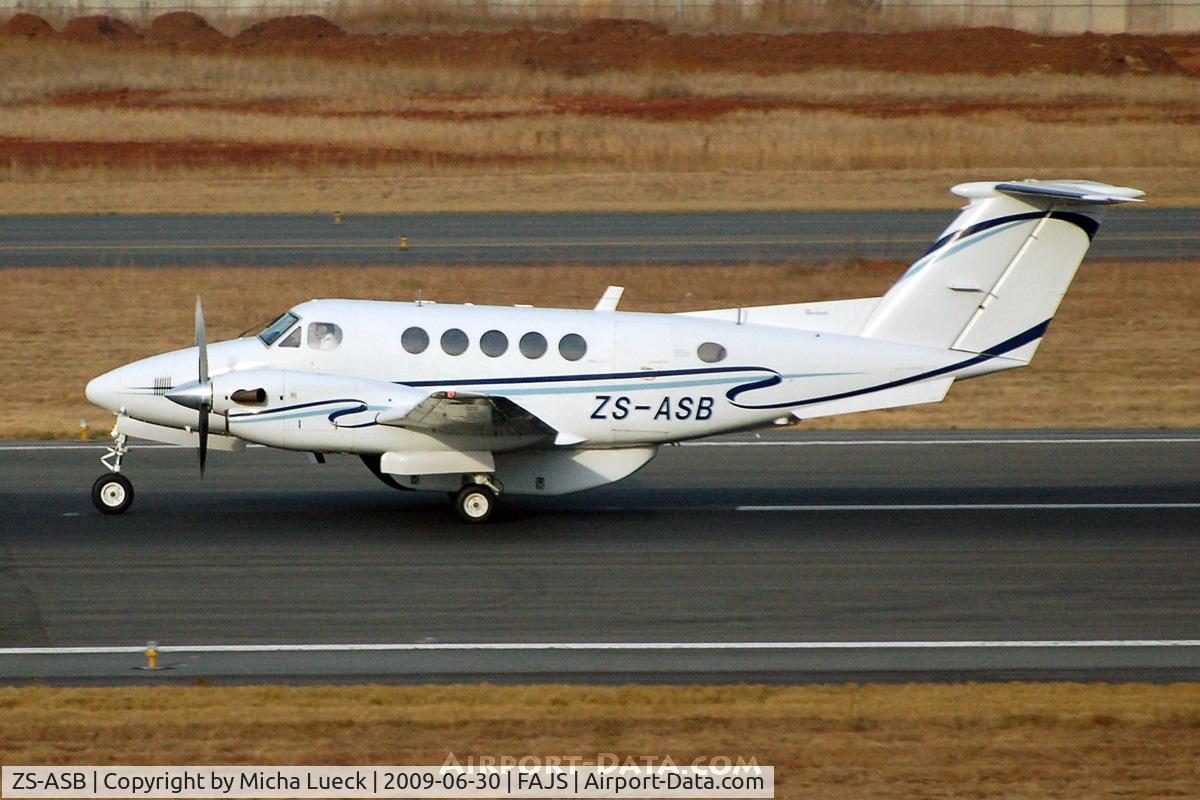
pixel 112 493
pixel 476 501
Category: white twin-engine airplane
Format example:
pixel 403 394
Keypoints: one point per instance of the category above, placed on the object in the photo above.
pixel 480 400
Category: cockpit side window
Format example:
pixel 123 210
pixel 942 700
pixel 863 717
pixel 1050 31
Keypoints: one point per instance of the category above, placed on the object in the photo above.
pixel 292 339
pixel 324 335
pixel 277 328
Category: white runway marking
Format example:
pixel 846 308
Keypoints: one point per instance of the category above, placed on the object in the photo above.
pixel 101 444
pixel 601 646
pixel 884 442
pixel 968 507
pixel 81 446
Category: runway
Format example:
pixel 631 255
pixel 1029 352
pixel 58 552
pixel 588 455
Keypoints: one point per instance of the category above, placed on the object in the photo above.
pixel 792 557
pixel 522 239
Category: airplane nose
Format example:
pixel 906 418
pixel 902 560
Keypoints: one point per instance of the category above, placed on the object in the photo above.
pixel 105 390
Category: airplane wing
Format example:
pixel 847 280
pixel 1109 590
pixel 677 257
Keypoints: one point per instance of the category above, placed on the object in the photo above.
pixel 459 414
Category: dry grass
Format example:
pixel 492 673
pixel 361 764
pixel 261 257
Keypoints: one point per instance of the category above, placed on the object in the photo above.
pixel 41 70
pixel 98 192
pixel 92 128
pixel 916 741
pixel 1124 338
pixel 749 141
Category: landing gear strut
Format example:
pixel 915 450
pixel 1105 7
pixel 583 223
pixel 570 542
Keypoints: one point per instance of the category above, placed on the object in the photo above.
pixel 476 501
pixel 112 493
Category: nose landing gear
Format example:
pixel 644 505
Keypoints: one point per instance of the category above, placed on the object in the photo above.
pixel 112 493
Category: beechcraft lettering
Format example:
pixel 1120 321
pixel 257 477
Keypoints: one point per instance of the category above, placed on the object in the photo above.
pixel 480 401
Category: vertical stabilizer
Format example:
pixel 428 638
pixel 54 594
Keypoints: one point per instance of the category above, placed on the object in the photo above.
pixel 995 277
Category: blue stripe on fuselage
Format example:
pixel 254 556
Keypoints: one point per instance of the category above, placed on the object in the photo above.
pixel 1007 346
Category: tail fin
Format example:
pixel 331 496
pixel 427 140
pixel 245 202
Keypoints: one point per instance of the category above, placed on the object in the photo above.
pixel 993 280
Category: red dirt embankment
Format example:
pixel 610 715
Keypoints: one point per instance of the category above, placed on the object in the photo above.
pixel 183 28
pixel 28 26
pixel 100 28
pixel 299 29
pixel 608 44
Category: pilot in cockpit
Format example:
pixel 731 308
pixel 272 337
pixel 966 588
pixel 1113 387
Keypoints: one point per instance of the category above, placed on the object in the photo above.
pixel 324 336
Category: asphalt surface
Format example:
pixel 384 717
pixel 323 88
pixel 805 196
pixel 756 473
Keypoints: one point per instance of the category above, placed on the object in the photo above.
pixel 808 557
pixel 516 239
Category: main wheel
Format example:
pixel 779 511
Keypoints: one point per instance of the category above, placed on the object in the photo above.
pixel 475 503
pixel 112 493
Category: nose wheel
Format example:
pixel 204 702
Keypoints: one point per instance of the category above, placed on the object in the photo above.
pixel 112 493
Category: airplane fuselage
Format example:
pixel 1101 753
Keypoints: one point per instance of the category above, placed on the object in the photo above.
pixel 618 380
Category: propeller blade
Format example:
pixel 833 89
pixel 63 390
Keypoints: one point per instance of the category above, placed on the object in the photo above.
pixel 201 341
pixel 202 429
pixel 205 404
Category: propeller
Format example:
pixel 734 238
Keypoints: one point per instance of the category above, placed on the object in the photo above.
pixel 198 394
pixel 206 404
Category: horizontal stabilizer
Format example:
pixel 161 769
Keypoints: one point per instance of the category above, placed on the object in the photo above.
pixel 1084 192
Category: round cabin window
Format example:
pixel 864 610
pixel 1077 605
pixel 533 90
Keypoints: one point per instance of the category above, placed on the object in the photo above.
pixel 533 345
pixel 455 342
pixel 493 343
pixel 711 352
pixel 572 347
pixel 415 340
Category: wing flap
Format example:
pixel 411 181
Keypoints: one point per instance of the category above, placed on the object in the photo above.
pixel 459 414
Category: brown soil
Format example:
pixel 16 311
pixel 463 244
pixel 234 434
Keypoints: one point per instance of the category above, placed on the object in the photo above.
pixel 669 109
pixel 28 25
pixel 608 29
pixel 160 99
pixel 100 28
pixel 984 50
pixel 704 108
pixel 595 47
pixel 79 154
pixel 183 27
pixel 304 28
pixel 609 44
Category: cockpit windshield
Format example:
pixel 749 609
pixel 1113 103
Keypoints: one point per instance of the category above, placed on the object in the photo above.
pixel 277 328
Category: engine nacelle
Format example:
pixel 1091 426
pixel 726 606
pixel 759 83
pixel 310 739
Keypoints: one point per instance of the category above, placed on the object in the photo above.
pixel 306 410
